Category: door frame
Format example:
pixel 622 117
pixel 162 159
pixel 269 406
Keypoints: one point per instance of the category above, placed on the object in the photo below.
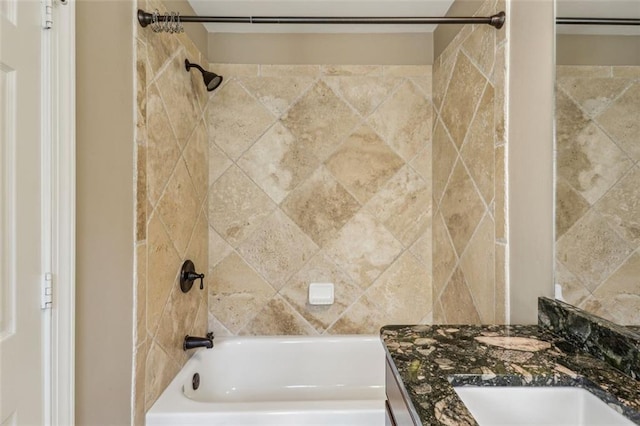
pixel 59 183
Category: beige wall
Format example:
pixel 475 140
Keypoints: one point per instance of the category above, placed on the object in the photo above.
pixel 320 174
pixel 318 49
pixel 469 148
pixel 572 49
pixel 530 156
pixel 171 216
pixel 598 201
pixel 105 226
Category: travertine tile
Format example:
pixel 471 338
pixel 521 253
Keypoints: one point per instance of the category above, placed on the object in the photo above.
pixel 620 207
pixel 277 93
pixel 176 321
pixel 218 248
pixel 406 70
pixel 632 72
pixel 139 408
pixel 502 273
pixel 620 294
pixel 163 151
pixel 196 156
pixel 499 83
pixel 573 71
pixel 364 163
pixel 320 206
pixel 465 91
pixel 237 292
pixel 362 317
pixel 160 370
pixel 404 121
pixel 289 70
pixel 573 291
pixel 320 121
pixel 179 207
pixel 478 266
pixel 570 206
pixel 198 249
pixel 216 327
pixel 237 206
pixel 422 163
pixel 277 249
pixel 236 119
pixel 480 46
pixel 141 92
pixel 500 196
pixel 363 248
pixel 347 70
pixel 320 269
pixel 478 149
pixel 277 163
pixel 586 158
pixel 162 271
pixel 622 121
pixel 176 88
pixel 364 94
pixel 442 69
pixel 403 291
pixel 403 205
pixel 457 302
pixel 591 250
pixel 445 156
pixel 461 208
pixel 438 313
pixel 160 48
pixel 593 95
pixel 141 192
pixel 218 163
pixel 422 249
pixel 278 318
pixel 200 325
pixel 141 292
pixel 424 84
pixel 444 256
pixel 228 71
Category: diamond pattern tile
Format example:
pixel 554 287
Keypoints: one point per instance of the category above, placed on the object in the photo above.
pixel 364 146
pixel 320 120
pixel 320 206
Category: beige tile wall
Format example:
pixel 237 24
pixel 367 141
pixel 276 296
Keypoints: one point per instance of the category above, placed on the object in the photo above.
pixel 319 174
pixel 171 209
pixel 597 191
pixel 469 152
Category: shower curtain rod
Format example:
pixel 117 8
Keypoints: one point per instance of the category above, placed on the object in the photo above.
pixel 173 19
pixel 598 21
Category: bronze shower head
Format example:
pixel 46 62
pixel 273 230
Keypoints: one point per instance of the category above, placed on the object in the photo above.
pixel 211 79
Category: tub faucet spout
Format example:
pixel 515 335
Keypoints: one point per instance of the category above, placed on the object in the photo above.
pixel 192 342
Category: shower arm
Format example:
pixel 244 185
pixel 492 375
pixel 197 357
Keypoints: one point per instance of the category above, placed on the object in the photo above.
pixel 496 21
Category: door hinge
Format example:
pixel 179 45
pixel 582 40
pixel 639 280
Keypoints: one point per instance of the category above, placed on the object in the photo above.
pixel 47 291
pixel 47 14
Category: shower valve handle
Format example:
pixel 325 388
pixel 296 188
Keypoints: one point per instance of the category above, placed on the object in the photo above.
pixel 192 276
pixel 188 275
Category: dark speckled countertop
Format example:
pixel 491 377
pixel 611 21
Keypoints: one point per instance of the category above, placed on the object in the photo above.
pixel 430 360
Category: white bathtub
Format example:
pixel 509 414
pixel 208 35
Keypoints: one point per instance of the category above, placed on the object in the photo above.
pixel 281 381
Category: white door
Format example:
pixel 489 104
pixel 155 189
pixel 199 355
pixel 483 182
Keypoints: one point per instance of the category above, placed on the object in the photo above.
pixel 21 337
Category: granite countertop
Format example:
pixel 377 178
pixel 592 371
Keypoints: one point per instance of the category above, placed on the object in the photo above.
pixel 432 359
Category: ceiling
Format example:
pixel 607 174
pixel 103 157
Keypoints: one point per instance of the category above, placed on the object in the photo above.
pixel 386 8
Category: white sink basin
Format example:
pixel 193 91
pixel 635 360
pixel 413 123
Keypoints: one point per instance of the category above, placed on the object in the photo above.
pixel 558 406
